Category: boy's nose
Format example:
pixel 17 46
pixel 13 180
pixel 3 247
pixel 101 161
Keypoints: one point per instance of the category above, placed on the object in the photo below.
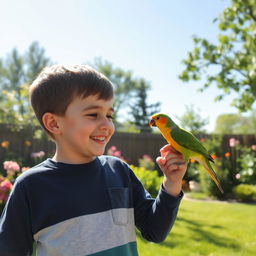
pixel 106 124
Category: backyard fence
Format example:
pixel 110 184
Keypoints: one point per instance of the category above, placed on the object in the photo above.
pixel 132 145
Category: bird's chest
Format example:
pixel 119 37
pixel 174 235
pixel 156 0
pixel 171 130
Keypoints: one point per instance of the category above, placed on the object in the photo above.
pixel 167 135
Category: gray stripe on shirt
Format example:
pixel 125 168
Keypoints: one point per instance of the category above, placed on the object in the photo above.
pixel 87 234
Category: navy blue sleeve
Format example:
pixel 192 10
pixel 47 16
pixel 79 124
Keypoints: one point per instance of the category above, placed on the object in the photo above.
pixel 16 237
pixel 154 217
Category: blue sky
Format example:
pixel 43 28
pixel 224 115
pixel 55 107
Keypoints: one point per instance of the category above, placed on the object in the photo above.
pixel 148 37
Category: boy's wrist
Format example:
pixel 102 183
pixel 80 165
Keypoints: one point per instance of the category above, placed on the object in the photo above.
pixel 172 188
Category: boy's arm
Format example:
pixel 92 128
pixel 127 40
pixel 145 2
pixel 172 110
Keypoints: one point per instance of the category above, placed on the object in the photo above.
pixel 155 217
pixel 16 237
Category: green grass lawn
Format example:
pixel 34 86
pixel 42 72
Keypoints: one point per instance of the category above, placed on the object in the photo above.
pixel 208 228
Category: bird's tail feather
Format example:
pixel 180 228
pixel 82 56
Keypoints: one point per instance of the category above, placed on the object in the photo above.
pixel 212 173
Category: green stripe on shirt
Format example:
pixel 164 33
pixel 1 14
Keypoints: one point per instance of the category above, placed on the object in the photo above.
pixel 129 249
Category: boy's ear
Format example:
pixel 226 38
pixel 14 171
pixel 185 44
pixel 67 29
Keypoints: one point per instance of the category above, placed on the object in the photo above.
pixel 50 122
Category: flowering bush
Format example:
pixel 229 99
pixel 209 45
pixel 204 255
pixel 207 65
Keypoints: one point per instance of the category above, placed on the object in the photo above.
pixel 5 188
pixel 112 151
pixel 11 171
pixel 222 166
pixel 247 162
pixel 11 167
pixel 150 179
pixel 147 162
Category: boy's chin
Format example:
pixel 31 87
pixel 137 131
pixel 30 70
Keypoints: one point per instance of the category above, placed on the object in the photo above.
pixel 99 153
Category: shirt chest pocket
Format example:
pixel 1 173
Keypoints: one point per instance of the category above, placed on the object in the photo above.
pixel 120 203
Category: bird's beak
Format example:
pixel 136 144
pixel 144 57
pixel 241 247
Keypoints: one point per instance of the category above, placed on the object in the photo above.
pixel 152 123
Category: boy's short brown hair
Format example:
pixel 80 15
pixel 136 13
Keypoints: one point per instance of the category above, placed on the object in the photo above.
pixel 56 86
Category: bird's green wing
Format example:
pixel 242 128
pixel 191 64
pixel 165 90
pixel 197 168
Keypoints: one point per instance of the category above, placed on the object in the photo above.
pixel 189 141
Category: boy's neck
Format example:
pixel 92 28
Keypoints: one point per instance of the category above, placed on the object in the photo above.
pixel 71 160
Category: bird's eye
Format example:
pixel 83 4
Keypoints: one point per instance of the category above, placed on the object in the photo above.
pixel 158 118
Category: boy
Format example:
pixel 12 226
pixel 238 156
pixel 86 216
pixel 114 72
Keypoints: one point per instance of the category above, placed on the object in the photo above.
pixel 80 202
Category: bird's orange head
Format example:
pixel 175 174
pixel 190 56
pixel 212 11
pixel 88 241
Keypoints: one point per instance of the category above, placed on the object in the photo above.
pixel 160 120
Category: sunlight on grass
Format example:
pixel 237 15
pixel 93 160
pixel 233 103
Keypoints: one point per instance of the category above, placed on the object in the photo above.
pixel 208 228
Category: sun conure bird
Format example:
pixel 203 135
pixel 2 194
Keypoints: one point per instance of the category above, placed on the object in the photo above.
pixel 184 142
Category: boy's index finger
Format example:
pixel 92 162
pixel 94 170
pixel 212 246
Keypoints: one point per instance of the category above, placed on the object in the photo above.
pixel 167 149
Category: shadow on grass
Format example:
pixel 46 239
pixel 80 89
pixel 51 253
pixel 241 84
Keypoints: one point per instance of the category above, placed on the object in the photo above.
pixel 201 234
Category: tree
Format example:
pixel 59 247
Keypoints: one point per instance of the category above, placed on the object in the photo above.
pixel 17 69
pixel 17 72
pixel 141 110
pixel 12 71
pixel 192 121
pixel 231 63
pixel 236 124
pixel 125 85
pixel 35 60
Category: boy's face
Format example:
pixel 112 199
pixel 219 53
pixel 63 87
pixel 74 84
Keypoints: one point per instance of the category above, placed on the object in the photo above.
pixel 86 129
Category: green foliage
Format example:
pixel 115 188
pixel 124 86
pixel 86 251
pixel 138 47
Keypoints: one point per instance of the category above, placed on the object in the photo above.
pixel 123 81
pixel 141 110
pixel 17 72
pixel 222 168
pixel 213 144
pixel 16 112
pixel 208 185
pixel 232 168
pixel 236 124
pixel 16 69
pixel 247 165
pixel 245 193
pixel 192 121
pixel 192 172
pixel 231 63
pixel 147 162
pixel 150 179
pixel 126 126
pixel 130 92
pixel 35 61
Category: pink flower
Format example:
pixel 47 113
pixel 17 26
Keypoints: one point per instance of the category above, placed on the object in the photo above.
pixel 117 153
pixel 253 147
pixel 39 154
pixel 11 167
pixel 238 176
pixel 112 151
pixel 233 142
pixel 113 148
pixel 6 185
pixel 5 188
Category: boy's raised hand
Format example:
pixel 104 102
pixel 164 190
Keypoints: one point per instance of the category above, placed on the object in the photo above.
pixel 174 167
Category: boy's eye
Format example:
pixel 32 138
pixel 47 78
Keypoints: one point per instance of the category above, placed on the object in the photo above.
pixel 110 117
pixel 94 115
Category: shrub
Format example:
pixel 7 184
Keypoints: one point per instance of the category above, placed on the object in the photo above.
pixel 245 193
pixel 247 161
pixel 150 179
pixel 208 185
pixel 147 162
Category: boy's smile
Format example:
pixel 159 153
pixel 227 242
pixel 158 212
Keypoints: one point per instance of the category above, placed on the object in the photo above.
pixel 85 130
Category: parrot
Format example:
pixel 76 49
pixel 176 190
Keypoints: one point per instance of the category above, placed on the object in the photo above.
pixel 184 142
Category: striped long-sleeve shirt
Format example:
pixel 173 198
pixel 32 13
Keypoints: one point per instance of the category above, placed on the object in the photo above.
pixel 83 209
